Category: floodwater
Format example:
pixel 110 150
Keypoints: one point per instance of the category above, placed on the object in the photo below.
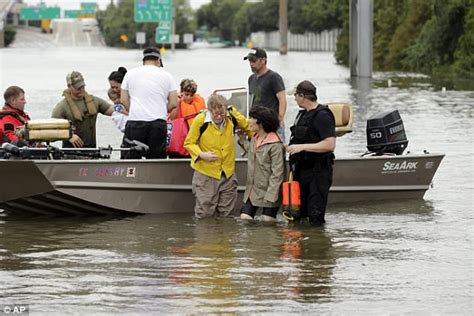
pixel 399 257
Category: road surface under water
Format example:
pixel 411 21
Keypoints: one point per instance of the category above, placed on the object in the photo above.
pixel 371 258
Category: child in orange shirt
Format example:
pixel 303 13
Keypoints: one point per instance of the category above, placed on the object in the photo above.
pixel 190 103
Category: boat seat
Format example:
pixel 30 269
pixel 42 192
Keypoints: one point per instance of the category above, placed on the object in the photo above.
pixel 343 116
pixel 47 130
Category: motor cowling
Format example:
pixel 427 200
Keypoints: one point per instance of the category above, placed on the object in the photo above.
pixel 386 133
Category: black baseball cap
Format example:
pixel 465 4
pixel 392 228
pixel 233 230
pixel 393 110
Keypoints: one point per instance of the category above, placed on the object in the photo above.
pixel 256 52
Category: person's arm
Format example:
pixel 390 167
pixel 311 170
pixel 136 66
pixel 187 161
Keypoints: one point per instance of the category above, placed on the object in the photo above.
pixel 58 112
pixel 278 173
pixel 104 107
pixel 324 146
pixel 281 106
pixel 8 127
pixel 172 100
pixel 125 99
pixel 242 121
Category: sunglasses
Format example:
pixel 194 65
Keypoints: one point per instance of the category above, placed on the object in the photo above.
pixel 253 59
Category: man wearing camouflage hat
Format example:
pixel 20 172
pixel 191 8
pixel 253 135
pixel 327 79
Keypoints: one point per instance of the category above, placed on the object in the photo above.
pixel 81 109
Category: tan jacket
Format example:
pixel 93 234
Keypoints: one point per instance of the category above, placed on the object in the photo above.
pixel 265 172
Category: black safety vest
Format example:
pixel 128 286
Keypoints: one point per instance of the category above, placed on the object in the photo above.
pixel 304 131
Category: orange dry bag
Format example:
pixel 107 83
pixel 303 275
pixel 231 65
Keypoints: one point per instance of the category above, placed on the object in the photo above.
pixel 291 199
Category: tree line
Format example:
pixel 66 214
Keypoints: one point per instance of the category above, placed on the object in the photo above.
pixel 435 37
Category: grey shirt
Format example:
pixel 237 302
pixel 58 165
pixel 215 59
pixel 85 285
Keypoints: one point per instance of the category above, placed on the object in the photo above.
pixel 263 89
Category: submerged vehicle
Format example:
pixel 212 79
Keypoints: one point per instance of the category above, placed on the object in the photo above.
pixel 47 182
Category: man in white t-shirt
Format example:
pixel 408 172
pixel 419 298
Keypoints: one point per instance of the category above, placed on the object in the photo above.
pixel 148 93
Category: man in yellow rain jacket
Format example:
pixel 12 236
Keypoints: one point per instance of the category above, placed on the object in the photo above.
pixel 210 142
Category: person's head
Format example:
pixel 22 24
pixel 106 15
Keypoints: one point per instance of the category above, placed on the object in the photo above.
pixel 263 118
pixel 113 95
pixel 15 97
pixel 188 89
pixel 152 55
pixel 75 83
pixel 217 106
pixel 305 90
pixel 257 58
pixel 116 78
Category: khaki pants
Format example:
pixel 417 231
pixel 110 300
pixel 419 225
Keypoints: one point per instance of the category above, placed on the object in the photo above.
pixel 214 197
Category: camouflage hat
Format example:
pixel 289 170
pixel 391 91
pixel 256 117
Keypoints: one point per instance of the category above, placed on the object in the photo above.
pixel 75 79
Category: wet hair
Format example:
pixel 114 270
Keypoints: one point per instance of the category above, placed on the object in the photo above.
pixel 216 101
pixel 188 85
pixel 266 117
pixel 307 89
pixel 118 74
pixel 12 91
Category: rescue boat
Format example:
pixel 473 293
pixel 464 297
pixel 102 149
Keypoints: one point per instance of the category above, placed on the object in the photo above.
pixel 45 181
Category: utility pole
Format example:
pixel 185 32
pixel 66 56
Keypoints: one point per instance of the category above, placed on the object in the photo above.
pixel 283 26
pixel 361 37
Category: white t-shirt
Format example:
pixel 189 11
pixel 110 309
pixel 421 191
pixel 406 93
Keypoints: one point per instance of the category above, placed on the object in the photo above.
pixel 148 87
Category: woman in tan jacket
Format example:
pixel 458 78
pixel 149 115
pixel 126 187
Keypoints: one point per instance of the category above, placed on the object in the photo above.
pixel 266 166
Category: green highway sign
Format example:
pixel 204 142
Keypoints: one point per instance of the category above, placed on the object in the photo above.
pixel 40 13
pixel 88 8
pixel 72 14
pixel 153 10
pixel 163 35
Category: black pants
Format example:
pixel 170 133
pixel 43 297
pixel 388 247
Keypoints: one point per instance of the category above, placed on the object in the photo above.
pixel 249 209
pixel 314 185
pixel 151 133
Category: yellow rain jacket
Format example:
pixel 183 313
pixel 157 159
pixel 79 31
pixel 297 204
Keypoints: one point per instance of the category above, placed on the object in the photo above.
pixel 213 139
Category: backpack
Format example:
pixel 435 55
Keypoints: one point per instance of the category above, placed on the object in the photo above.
pixel 204 126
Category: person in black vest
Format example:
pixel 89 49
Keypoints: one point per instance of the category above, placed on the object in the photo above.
pixel 311 147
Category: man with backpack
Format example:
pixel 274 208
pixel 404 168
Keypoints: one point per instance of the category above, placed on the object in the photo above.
pixel 210 142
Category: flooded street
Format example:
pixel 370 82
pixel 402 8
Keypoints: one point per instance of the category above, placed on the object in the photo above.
pixel 397 257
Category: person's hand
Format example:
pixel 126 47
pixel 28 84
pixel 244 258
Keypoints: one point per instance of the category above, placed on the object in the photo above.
pixel 294 149
pixel 208 156
pixel 76 141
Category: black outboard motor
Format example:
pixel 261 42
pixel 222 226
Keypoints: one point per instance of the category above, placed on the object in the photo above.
pixel 386 134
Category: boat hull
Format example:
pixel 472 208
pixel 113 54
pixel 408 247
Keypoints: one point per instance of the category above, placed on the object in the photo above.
pixel 164 186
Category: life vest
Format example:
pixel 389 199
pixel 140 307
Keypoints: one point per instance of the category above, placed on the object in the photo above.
pixel 304 132
pixel 13 113
pixel 22 119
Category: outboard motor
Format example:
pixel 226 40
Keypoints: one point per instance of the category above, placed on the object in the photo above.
pixel 386 133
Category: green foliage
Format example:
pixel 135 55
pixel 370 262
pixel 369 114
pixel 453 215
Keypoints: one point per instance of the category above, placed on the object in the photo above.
pixel 10 33
pixel 236 19
pixel 342 45
pixel 387 16
pixel 430 36
pixel 320 15
pixel 417 14
pixel 464 57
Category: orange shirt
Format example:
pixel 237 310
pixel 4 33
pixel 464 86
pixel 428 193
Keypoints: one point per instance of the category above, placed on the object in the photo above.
pixel 194 107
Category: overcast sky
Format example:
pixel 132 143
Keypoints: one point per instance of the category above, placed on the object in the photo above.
pixel 75 4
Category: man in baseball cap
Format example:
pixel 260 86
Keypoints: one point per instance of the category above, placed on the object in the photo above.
pixel 81 109
pixel 75 79
pixel 256 53
pixel 266 87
